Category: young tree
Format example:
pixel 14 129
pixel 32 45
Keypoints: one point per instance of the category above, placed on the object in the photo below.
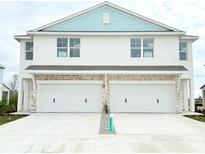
pixel 14 84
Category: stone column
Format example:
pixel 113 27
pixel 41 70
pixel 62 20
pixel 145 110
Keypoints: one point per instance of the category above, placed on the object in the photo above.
pixel 105 95
pixel 178 99
pixel 33 95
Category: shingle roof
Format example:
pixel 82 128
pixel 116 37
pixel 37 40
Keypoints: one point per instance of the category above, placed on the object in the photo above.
pixel 105 68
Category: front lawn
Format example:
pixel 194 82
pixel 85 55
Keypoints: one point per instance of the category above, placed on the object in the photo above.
pixel 8 118
pixel 197 117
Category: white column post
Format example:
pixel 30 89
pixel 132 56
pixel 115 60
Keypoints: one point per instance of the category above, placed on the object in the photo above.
pixel 20 95
pixel 191 94
pixel 185 92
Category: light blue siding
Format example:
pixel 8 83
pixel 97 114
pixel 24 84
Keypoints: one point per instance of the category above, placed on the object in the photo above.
pixel 119 21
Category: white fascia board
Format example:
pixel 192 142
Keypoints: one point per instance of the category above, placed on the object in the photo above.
pixel 105 33
pixel 193 38
pixel 111 5
pixel 102 72
pixel 22 37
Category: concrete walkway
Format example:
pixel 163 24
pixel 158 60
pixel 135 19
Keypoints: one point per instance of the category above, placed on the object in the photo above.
pixel 80 133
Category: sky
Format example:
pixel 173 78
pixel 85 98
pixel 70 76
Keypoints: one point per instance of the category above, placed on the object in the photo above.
pixel 17 17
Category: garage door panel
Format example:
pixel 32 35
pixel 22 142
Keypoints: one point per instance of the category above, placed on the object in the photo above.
pixel 141 98
pixel 69 98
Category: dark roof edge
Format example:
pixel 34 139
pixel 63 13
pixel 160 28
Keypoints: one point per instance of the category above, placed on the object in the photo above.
pixel 202 86
pixel 105 68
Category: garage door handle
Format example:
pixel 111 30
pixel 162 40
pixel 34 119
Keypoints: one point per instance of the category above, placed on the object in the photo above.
pixel 86 100
pixel 157 100
pixel 54 100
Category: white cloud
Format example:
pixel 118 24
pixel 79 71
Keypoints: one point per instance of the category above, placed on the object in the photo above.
pixel 18 17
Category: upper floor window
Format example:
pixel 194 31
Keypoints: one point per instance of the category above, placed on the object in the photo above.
pixel 183 51
pixel 148 47
pixel 74 47
pixel 142 47
pixel 62 47
pixel 135 47
pixel 29 50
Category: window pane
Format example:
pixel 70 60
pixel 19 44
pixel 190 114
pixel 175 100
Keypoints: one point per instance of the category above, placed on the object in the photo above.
pixel 136 43
pixel 182 46
pixel 62 42
pixel 62 52
pixel 148 53
pixel 74 42
pixel 183 55
pixel 29 55
pixel 29 46
pixel 74 52
pixel 148 43
pixel 135 52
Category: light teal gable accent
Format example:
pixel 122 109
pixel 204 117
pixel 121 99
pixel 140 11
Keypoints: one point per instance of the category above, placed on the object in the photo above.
pixel 119 21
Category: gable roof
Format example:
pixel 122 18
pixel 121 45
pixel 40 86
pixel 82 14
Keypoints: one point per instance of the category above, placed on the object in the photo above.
pixel 156 26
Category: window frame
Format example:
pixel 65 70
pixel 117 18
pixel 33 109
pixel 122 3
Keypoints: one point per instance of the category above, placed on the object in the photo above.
pixel 75 47
pixel 183 51
pixel 135 47
pixel 148 48
pixel 142 47
pixel 62 47
pixel 28 50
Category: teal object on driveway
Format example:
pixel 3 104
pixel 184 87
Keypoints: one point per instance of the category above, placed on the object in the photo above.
pixel 111 124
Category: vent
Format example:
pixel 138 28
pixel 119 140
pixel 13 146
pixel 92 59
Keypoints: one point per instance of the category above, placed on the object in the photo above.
pixel 106 18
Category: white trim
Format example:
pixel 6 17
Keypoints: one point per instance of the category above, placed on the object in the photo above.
pixel 141 82
pixel 69 82
pixel 105 33
pixel 192 38
pixel 102 72
pixel 21 37
pixel 111 5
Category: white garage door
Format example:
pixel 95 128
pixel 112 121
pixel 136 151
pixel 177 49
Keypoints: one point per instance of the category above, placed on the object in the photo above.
pixel 142 98
pixel 69 98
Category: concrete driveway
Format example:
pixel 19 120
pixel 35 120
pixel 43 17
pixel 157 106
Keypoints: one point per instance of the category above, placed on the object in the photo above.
pixel 67 132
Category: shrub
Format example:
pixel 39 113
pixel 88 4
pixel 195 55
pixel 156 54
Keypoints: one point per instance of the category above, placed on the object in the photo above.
pixel 10 107
pixel 13 102
pixel 3 106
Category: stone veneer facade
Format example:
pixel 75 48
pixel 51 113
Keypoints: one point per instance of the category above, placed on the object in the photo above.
pixel 106 86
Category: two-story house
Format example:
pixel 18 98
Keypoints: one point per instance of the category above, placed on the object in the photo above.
pixel 106 55
pixel 4 90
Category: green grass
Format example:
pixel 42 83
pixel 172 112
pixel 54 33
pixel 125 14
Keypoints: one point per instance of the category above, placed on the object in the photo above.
pixel 197 117
pixel 8 118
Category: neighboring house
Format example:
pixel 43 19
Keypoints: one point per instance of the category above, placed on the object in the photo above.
pixel 106 55
pixel 4 90
pixel 203 94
